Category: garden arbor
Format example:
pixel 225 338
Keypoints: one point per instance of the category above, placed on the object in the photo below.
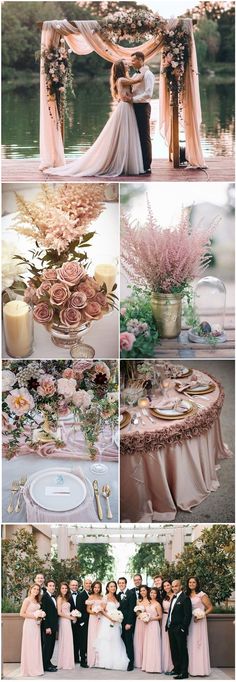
pixel 178 91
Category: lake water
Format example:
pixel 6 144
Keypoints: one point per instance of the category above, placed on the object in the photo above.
pixel 20 114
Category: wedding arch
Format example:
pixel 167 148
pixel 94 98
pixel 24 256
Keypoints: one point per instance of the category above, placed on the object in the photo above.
pixel 84 37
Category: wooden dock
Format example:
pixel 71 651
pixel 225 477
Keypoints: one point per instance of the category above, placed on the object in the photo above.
pixel 220 169
pixel 181 347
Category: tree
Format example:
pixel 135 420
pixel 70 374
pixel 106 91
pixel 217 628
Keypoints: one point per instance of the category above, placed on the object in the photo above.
pixel 211 559
pixel 96 559
pixel 149 558
pixel 63 570
pixel 207 33
pixel 20 562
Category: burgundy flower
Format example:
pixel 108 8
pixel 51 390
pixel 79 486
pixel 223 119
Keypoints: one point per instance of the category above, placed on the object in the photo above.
pixel 93 311
pixel 78 299
pixel 70 317
pixel 71 273
pixel 59 294
pixel 43 313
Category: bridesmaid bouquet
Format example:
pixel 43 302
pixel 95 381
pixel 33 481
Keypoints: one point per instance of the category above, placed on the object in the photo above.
pixel 199 614
pixel 75 613
pixel 97 608
pixel 145 617
pixel 39 615
pixel 139 609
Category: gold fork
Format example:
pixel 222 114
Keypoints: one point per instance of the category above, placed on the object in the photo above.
pixel 22 482
pixel 106 491
pixel 14 490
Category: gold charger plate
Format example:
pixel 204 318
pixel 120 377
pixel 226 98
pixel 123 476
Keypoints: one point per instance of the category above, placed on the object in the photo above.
pixel 160 415
pixel 183 376
pixel 210 389
pixel 126 420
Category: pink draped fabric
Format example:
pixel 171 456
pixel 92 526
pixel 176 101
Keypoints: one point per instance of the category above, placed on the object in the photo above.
pixel 83 39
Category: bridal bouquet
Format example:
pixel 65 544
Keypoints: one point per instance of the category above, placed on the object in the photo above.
pixel 116 616
pixel 199 614
pixel 39 615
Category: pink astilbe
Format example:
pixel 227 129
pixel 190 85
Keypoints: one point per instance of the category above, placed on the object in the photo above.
pixel 168 259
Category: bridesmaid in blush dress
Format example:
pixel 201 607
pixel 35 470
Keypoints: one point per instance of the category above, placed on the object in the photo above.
pixel 167 663
pixel 139 631
pixel 31 649
pixel 93 603
pixel 151 662
pixel 198 647
pixel 66 660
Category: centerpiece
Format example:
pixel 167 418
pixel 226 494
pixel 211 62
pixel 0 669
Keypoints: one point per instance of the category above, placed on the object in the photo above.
pixel 164 261
pixel 209 302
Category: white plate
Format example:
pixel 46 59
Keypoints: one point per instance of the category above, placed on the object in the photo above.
pixel 116 439
pixel 121 417
pixel 60 503
pixel 172 412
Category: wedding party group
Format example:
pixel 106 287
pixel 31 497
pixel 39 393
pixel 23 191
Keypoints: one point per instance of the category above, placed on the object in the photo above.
pixel 158 629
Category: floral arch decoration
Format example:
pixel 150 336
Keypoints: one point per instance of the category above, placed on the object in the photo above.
pixel 178 73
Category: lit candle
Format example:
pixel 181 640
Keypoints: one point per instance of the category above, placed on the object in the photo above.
pixel 106 273
pixel 18 328
pixel 143 402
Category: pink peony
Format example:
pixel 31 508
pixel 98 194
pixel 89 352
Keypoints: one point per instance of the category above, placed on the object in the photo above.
pixel 66 387
pixel 126 341
pixel 71 273
pixel 93 311
pixel 68 373
pixel 78 299
pixel 81 399
pixel 50 274
pixel 70 317
pixel 43 313
pixel 88 290
pixel 46 386
pixel 20 401
pixel 59 294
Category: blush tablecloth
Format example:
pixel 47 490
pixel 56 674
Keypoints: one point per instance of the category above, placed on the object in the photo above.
pixel 166 466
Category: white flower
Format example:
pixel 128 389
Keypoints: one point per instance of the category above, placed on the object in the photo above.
pixel 174 64
pixel 11 268
pixel 199 614
pixel 81 399
pixel 8 380
pixel 66 387
pixel 112 397
pixel 75 613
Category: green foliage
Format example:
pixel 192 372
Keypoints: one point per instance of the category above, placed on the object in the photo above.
pixel 149 557
pixel 20 562
pixel 211 559
pixel 63 570
pixel 138 308
pixel 96 559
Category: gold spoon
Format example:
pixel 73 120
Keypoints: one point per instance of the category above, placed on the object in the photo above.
pixel 14 490
pixel 106 491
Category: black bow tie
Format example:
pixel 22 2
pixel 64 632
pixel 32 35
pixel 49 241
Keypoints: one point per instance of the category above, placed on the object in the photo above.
pixel 121 592
pixel 138 71
pixel 74 592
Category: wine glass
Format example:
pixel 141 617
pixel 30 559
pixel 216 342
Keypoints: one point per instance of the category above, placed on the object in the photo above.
pixel 105 439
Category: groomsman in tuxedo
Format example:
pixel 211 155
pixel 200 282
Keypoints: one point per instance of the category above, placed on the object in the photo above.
pixel 39 580
pixel 158 582
pixel 74 604
pixel 83 621
pixel 127 601
pixel 137 584
pixel 178 621
pixel 50 626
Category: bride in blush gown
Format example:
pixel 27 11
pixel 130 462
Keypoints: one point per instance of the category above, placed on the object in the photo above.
pixel 117 150
pixel 110 648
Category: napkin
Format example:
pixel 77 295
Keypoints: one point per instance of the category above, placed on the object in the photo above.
pixel 178 405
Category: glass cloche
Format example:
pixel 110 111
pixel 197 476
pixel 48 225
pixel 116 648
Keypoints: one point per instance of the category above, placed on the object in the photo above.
pixel 209 311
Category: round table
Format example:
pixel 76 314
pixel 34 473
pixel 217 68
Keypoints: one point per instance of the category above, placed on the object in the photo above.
pixel 171 465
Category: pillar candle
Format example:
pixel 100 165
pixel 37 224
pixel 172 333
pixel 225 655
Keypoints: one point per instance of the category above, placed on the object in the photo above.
pixel 106 272
pixel 18 328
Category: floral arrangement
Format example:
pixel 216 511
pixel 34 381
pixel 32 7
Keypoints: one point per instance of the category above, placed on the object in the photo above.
pixel 39 614
pixel 139 608
pixel 48 389
pixel 116 616
pixel 75 613
pixel 165 260
pixel 58 221
pixel 66 296
pixel 12 267
pixel 139 336
pixel 144 617
pixel 175 56
pixel 58 76
pixel 131 25
pixel 199 614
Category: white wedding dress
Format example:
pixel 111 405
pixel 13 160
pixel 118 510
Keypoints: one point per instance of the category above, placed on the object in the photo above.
pixel 116 151
pixel 110 648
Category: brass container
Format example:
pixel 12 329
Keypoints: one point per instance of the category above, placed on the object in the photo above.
pixel 167 311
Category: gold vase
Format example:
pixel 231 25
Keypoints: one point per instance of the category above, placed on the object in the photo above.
pixel 167 311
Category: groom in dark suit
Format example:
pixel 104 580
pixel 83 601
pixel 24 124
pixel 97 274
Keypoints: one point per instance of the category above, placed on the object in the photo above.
pixel 127 601
pixel 50 626
pixel 83 621
pixel 74 604
pixel 178 621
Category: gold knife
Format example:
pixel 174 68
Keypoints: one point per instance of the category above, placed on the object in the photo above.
pixel 96 493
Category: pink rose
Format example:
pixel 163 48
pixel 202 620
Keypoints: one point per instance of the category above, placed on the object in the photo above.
pixel 93 311
pixel 92 282
pixel 20 401
pixel 66 387
pixel 43 289
pixel 81 399
pixel 43 313
pixel 88 290
pixel 30 295
pixel 126 341
pixel 78 299
pixel 122 312
pixel 50 274
pixel 82 365
pixel 59 294
pixel 71 273
pixel 68 373
pixel 101 299
pixel 46 386
pixel 70 317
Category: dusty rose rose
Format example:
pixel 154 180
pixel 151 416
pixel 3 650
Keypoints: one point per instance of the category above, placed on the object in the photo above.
pixel 78 300
pixel 126 341
pixel 92 282
pixel 43 313
pixel 68 373
pixel 71 273
pixel 88 290
pixel 70 317
pixel 47 386
pixel 30 295
pixel 20 401
pixel 101 299
pixel 43 289
pixel 59 294
pixel 50 274
pixel 93 311
pixel 82 365
pixel 122 312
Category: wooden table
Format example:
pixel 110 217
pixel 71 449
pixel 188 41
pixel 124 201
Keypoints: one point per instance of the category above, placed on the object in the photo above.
pixel 181 347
